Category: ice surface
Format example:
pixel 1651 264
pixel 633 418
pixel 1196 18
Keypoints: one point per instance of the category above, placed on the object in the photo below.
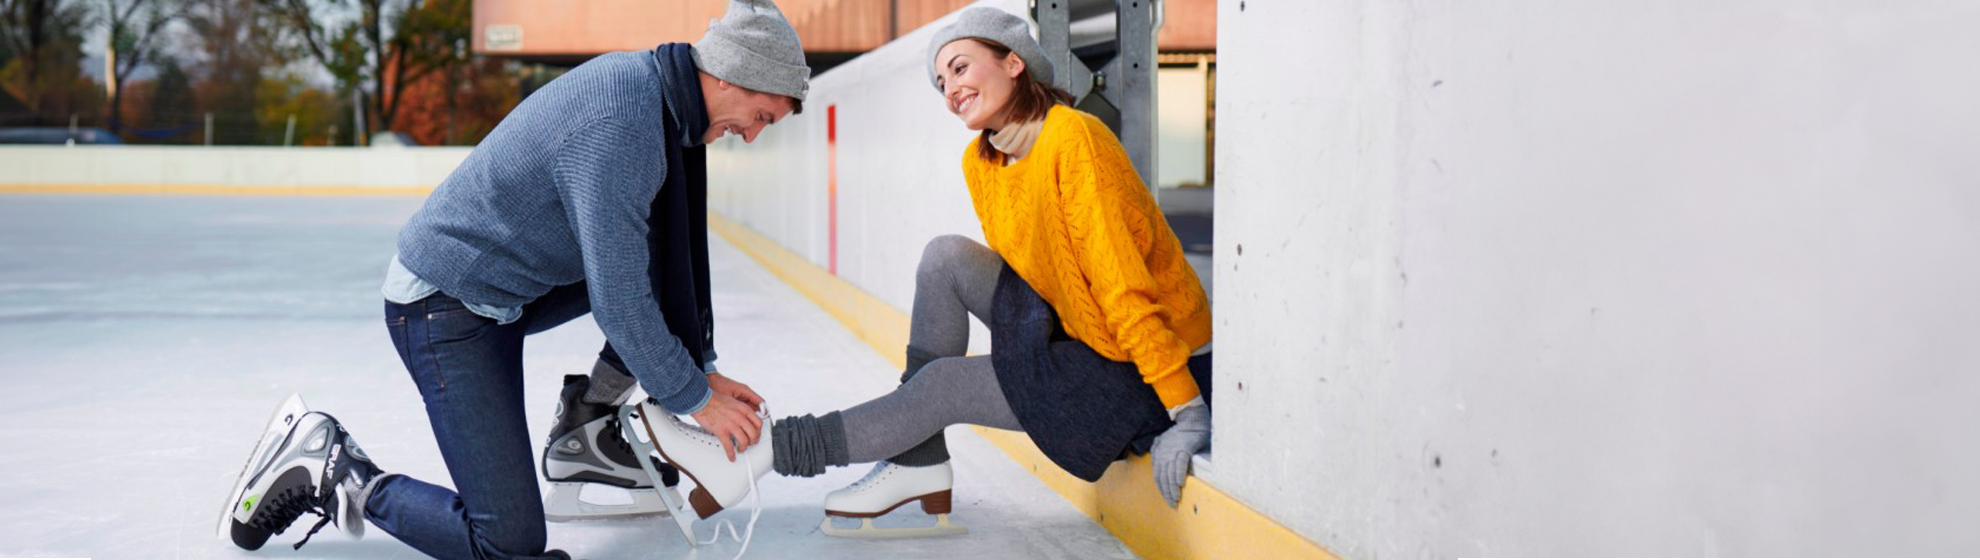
pixel 144 340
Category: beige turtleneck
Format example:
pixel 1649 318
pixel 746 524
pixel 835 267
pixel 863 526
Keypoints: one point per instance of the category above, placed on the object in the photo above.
pixel 1016 140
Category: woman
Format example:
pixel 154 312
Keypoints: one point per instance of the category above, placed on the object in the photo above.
pixel 1101 330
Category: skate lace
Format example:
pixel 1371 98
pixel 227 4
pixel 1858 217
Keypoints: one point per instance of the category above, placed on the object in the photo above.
pixel 281 511
pixel 613 426
pixel 755 497
pixel 755 510
pixel 696 432
pixel 872 477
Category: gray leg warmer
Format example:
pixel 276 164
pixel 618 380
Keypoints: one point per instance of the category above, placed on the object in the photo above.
pixel 805 445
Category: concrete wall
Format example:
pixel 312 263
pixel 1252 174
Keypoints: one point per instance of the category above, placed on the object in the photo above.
pixel 1653 278
pixel 237 166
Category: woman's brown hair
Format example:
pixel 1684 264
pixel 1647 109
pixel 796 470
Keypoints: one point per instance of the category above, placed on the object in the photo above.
pixel 1030 101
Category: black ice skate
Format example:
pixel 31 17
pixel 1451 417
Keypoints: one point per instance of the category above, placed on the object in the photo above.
pixel 587 457
pixel 304 463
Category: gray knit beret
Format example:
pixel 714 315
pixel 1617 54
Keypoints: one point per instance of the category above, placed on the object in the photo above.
pixel 996 25
pixel 753 46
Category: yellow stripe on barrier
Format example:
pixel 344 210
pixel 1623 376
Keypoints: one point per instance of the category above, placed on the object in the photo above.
pixel 1207 523
pixel 211 190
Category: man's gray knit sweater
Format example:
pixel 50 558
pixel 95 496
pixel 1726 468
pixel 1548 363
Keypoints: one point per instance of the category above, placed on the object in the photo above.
pixel 559 193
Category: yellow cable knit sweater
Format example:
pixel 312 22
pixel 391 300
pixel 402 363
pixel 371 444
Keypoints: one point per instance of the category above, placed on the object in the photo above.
pixel 1077 223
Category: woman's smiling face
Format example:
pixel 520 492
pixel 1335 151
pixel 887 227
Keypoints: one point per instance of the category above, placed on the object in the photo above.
pixel 976 83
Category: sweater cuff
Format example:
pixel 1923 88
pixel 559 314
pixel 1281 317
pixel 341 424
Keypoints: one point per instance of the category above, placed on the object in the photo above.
pixel 693 395
pixel 1177 389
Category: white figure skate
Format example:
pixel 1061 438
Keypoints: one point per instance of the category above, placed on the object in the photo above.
pixel 891 486
pixel 697 454
pixel 587 453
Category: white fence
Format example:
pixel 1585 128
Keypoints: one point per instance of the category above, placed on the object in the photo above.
pixel 228 167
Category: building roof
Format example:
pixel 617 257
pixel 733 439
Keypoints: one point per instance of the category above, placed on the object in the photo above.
pixel 575 30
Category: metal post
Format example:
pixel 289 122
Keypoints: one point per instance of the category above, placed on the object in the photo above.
pixel 1132 84
pixel 1054 19
pixel 357 127
pixel 1126 81
pixel 209 128
pixel 289 136
pixel 110 65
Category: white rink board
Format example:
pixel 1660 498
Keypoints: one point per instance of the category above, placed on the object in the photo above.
pixel 227 166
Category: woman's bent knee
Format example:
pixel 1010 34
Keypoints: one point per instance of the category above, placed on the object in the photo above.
pixel 946 254
pixel 950 248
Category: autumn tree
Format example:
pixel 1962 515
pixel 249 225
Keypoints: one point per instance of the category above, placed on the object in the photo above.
pixel 135 28
pixel 287 96
pixel 44 41
pixel 461 105
pixel 171 112
pixel 237 44
pixel 389 46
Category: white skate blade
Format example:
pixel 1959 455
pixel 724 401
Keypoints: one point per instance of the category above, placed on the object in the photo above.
pixel 633 423
pixel 866 529
pixel 275 432
pixel 566 503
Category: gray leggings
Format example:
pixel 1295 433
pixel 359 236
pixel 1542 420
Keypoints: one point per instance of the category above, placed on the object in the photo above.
pixel 948 391
pixel 957 278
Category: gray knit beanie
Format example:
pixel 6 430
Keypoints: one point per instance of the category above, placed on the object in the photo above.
pixel 996 25
pixel 753 46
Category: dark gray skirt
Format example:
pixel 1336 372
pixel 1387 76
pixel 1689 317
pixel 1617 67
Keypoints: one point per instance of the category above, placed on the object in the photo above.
pixel 1082 409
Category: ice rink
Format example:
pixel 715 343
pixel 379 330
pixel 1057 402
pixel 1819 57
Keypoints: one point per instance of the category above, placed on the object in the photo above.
pixel 144 340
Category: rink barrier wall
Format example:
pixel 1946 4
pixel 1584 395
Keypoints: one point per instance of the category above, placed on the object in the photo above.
pixel 1207 524
pixel 226 169
pixel 1599 279
pixel 210 190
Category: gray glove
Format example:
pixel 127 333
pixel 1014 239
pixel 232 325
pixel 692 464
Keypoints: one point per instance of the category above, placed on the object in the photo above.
pixel 1173 449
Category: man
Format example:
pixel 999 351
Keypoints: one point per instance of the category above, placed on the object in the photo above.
pixel 588 197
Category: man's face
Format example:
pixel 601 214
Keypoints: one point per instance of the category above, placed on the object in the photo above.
pixel 735 110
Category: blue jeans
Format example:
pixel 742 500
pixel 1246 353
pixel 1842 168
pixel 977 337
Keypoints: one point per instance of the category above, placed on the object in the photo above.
pixel 469 372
